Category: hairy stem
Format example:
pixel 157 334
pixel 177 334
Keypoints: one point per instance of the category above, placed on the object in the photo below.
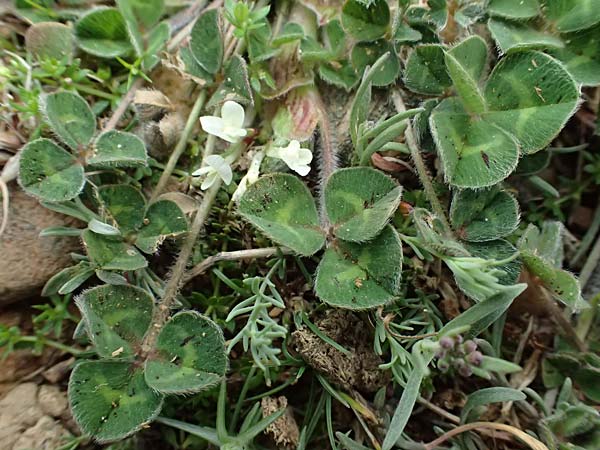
pixel 161 313
pixel 329 157
pixel 237 255
pixel 421 168
pixel 123 105
pixel 181 145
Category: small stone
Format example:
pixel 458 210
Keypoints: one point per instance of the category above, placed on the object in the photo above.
pixel 52 400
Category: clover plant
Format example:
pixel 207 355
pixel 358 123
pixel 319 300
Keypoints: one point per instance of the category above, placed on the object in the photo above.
pixel 351 199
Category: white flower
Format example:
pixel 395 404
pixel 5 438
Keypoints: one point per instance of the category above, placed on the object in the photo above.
pixel 216 167
pixel 250 177
pixel 230 126
pixel 296 158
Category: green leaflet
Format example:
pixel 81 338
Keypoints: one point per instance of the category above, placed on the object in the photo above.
pixel 512 36
pixel 361 276
pixel 50 173
pixel 359 202
pixel 366 22
pixel 486 396
pixel 281 206
pixel 365 54
pixel 465 63
pixel 235 86
pixel 124 204
pixel 581 55
pixel 571 15
pixel 111 253
pixel 509 9
pixel 116 318
pixel 484 215
pixel 528 98
pixel 531 96
pixel 474 152
pixel 163 219
pixel 70 118
pixel 102 32
pixel 118 149
pixel 426 72
pixel 190 355
pixel 49 40
pixel 206 43
pixel 110 399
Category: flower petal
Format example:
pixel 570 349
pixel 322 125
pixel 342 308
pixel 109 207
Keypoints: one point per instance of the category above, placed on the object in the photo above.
pixel 212 125
pixel 301 170
pixel 304 156
pixel 209 181
pixel 233 114
pixel 202 171
pixel 221 167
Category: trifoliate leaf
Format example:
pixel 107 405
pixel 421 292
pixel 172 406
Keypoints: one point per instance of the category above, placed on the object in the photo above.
pixel 366 53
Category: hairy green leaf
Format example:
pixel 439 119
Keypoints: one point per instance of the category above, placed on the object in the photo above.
pixel 581 55
pixel 118 149
pixel 190 355
pixel 359 202
pixel 49 40
pixel 116 318
pixel 110 400
pixel 484 215
pixel 281 206
pixel 163 219
pixel 70 117
pixel 571 15
pixel 510 9
pixel 426 72
pixel 124 204
pixel 512 36
pixel 531 96
pixel 112 253
pixel 50 173
pixel 365 22
pixel 361 276
pixel 102 32
pixel 206 42
pixel 465 63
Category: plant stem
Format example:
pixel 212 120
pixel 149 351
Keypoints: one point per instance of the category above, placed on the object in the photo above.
pixel 590 264
pixel 123 105
pixel 161 313
pixel 237 255
pixel 55 344
pixel 529 440
pixel 588 238
pixel 329 159
pixel 421 168
pixel 181 145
